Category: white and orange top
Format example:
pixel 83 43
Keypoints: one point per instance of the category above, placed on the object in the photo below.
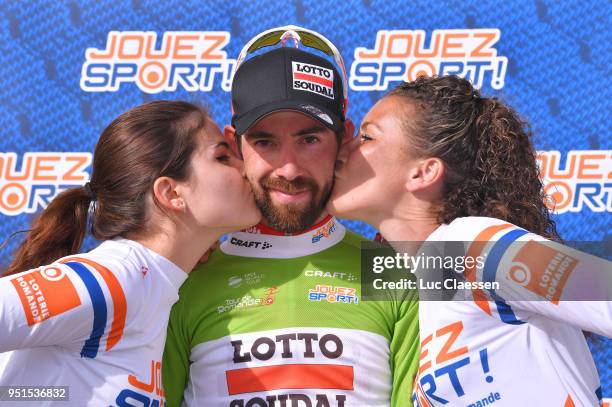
pixel 522 344
pixel 95 322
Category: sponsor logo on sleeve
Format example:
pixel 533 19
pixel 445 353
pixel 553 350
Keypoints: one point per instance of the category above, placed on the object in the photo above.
pixel 542 270
pixel 45 293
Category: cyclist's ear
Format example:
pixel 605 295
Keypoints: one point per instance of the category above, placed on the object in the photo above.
pixel 229 133
pixel 349 131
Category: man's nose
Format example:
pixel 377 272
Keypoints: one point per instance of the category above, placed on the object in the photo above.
pixel 288 165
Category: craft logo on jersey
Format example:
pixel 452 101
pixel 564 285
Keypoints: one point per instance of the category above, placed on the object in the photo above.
pixel 324 231
pixel 45 293
pixel 583 180
pixel 30 182
pixel 330 274
pixel 313 78
pixel 250 244
pixel 542 269
pixel 189 60
pixel 333 294
pixel 404 55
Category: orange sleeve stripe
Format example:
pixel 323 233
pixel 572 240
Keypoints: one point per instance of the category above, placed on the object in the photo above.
pixel 474 251
pixel 569 402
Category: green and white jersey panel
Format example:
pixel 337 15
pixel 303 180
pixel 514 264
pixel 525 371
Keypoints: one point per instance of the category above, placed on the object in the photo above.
pixel 276 320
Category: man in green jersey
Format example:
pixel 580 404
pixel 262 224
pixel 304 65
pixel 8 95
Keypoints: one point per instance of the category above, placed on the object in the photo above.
pixel 275 317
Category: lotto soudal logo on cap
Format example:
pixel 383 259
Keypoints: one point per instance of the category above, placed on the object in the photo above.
pixel 287 79
pixel 313 78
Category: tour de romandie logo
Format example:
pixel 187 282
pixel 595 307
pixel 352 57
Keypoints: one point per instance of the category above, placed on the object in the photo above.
pixel 249 301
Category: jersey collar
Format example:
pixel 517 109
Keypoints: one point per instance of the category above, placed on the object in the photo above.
pixel 264 242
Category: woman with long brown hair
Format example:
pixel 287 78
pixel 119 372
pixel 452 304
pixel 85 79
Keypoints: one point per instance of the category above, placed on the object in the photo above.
pixel 164 187
pixel 437 163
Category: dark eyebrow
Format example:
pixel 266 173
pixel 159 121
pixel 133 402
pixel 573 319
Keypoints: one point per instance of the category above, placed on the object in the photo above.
pixel 258 135
pixel 311 130
pixel 222 144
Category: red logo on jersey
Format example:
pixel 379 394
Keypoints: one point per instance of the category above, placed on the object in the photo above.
pixel 45 293
pixel 542 269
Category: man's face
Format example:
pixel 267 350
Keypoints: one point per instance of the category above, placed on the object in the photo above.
pixel 289 160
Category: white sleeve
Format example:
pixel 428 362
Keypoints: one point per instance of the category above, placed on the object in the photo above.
pixel 50 305
pixel 555 281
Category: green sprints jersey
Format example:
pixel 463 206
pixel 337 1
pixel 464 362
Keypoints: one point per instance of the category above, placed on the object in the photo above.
pixel 277 321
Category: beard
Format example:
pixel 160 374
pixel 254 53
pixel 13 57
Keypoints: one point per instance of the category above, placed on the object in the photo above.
pixel 291 218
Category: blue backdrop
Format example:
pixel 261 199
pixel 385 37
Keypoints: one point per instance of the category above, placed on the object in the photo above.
pixel 67 68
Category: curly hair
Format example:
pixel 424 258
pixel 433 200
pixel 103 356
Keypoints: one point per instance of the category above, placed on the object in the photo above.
pixel 490 160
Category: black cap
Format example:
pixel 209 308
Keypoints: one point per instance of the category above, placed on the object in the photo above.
pixel 287 78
